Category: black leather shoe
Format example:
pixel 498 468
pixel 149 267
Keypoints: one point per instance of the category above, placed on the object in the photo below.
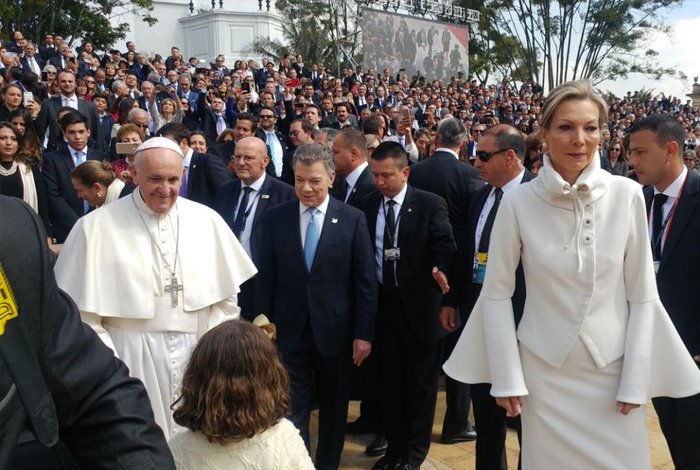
pixel 359 426
pixel 378 446
pixel 467 435
pixel 384 464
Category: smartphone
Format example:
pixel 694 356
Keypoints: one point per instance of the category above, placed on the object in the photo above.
pixel 28 98
pixel 44 77
pixel 216 82
pixel 245 86
pixel 200 70
pixel 10 54
pixel 405 113
pixel 124 148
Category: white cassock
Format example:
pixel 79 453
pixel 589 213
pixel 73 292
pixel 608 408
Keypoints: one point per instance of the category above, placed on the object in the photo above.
pixel 112 269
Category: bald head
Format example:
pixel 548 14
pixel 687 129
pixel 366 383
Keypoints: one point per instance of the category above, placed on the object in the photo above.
pixel 250 159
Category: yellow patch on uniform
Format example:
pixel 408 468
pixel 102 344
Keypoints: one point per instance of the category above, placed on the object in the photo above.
pixel 8 307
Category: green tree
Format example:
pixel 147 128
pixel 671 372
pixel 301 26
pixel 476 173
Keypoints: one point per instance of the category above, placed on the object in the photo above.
pixel 313 29
pixel 72 19
pixel 554 41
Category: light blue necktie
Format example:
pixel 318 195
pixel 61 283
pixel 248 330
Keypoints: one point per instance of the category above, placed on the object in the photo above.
pixel 79 160
pixel 276 159
pixel 311 239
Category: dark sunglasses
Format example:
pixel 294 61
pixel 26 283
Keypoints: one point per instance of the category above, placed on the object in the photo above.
pixel 485 156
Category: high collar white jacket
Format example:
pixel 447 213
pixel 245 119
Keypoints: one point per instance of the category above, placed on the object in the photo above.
pixel 589 274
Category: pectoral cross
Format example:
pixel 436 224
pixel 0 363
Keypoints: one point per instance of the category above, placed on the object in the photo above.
pixel 172 289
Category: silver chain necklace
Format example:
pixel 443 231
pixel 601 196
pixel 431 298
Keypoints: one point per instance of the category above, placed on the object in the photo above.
pixel 9 171
pixel 173 287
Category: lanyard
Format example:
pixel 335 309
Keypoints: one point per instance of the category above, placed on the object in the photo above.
pixel 666 225
pixel 393 237
pixel 246 213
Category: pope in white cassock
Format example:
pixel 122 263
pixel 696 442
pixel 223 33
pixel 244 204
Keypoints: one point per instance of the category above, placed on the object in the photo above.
pixel 151 273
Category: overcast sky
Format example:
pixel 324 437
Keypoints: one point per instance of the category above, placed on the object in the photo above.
pixel 681 51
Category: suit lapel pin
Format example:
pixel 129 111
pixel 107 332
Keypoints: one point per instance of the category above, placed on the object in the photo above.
pixel 410 209
pixel 264 196
pixel 354 190
pixel 334 221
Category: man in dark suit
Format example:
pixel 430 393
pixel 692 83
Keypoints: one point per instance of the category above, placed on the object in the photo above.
pixel 64 56
pixel 243 202
pixel 413 243
pixel 473 146
pixel 47 388
pixel 279 147
pixel 354 179
pixel 64 205
pixel 246 126
pixel 48 50
pixel 316 282
pixel 185 91
pixel 353 183
pixel 673 203
pixel 456 182
pixel 212 117
pixel 30 60
pixel 499 161
pixel 46 121
pixel 204 173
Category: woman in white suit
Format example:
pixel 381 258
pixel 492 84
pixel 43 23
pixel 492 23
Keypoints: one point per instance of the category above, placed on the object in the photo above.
pixel 595 342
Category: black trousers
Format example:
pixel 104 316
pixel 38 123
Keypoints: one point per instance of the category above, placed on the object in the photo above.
pixel 679 419
pixel 490 422
pixel 457 396
pixel 410 370
pixel 329 375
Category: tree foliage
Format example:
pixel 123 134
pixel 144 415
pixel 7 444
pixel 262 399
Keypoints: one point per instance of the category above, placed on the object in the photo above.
pixel 72 19
pixel 311 28
pixel 553 41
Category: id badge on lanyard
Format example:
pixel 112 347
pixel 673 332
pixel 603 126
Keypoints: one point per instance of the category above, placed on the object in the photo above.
pixel 479 267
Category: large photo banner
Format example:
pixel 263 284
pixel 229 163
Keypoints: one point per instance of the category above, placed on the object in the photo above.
pixel 435 50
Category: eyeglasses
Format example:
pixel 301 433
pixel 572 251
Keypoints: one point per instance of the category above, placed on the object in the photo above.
pixel 615 150
pixel 688 159
pixel 477 131
pixel 267 116
pixel 485 156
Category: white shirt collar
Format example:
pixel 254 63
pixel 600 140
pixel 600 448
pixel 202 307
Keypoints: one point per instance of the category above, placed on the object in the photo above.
pixel 188 158
pixel 514 183
pixel 450 151
pixel 322 208
pixel 399 198
pixel 674 188
pixel 355 174
pixel 256 185
pixel 74 151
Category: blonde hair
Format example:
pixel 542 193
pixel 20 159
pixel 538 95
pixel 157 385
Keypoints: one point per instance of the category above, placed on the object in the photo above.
pixel 574 90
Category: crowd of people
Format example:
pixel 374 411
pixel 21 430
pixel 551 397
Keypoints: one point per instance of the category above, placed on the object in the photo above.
pixel 356 213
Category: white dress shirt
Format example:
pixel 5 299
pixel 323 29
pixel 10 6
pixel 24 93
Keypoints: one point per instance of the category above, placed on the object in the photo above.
pixel 253 199
pixel 352 178
pixel 673 192
pixel 490 200
pixel 305 216
pixel 71 101
pixel 73 155
pixel 381 223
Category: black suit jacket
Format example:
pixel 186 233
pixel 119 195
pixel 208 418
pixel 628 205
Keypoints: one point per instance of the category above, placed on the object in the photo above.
pixel 24 62
pixel 44 353
pixel 453 180
pixel 64 205
pixel 46 122
pixel 57 62
pixel 47 52
pixel 425 240
pixel 678 278
pixel 205 176
pixel 287 156
pixel 465 293
pixel 363 188
pixel 272 193
pixel 338 297
pixel 208 120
